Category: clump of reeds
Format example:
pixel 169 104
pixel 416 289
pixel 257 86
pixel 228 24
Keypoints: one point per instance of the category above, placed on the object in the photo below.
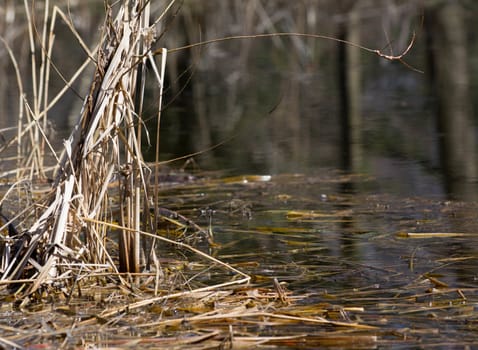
pixel 101 183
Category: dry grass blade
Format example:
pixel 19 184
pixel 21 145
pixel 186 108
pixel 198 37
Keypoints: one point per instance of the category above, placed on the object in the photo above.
pixel 265 315
pixel 6 342
pixel 420 235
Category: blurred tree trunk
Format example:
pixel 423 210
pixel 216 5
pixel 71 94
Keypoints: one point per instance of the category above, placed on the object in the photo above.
pixel 350 90
pixel 449 58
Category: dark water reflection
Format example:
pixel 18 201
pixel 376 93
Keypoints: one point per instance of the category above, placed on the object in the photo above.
pixel 339 107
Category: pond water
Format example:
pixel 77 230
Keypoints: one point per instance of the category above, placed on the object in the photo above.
pixel 357 170
pixel 407 263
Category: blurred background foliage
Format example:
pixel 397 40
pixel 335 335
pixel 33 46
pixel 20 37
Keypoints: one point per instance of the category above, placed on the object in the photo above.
pixel 293 104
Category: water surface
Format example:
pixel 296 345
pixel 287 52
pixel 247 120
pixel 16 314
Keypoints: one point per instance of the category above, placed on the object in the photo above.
pixel 409 263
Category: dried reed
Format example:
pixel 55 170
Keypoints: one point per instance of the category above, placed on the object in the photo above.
pixel 101 177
